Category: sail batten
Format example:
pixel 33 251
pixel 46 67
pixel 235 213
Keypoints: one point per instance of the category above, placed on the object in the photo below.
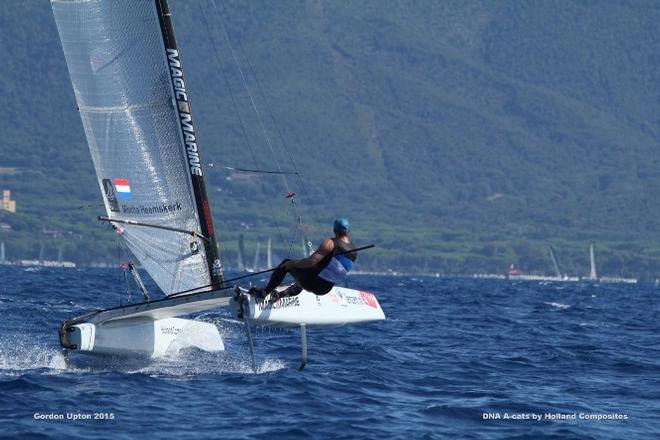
pixel 122 109
pixel 133 118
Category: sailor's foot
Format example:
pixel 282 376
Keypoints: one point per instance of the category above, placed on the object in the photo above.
pixel 292 290
pixel 258 293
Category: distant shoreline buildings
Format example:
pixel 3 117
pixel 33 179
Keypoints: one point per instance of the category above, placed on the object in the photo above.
pixel 7 203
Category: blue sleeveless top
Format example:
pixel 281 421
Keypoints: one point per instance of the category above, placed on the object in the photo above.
pixel 339 265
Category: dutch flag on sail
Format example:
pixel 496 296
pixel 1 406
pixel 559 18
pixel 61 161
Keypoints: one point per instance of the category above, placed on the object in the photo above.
pixel 122 189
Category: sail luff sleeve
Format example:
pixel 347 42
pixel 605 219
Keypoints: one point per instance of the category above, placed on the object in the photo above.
pixel 189 141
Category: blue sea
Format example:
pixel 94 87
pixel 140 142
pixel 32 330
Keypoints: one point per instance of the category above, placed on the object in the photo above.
pixel 456 358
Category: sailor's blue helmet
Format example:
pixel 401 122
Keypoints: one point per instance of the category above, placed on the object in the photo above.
pixel 341 224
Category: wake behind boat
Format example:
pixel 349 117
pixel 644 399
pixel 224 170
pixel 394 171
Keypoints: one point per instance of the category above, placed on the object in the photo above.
pixel 128 80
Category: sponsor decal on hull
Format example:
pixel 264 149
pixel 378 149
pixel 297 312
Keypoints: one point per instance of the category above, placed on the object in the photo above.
pixel 170 330
pixel 282 303
pixel 369 299
pixel 353 300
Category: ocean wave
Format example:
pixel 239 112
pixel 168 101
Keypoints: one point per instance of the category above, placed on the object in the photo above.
pixel 558 305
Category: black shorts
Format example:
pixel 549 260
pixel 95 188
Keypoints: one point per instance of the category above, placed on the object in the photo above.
pixel 309 280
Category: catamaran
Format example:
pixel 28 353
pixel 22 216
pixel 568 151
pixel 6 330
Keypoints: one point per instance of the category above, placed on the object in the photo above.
pixel 133 100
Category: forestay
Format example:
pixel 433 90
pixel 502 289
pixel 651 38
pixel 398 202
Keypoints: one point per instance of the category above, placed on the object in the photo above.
pixel 131 94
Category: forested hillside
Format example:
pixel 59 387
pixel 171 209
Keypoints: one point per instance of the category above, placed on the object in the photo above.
pixel 458 136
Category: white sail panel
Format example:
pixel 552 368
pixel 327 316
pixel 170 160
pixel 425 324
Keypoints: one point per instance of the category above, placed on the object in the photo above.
pixel 117 62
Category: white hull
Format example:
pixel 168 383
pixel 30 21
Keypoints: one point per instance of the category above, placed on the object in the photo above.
pixel 143 337
pixel 149 329
pixel 339 307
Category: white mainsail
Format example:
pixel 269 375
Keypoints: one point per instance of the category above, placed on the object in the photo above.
pixel 131 94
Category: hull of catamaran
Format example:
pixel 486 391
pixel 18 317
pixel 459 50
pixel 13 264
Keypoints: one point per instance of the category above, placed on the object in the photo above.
pixel 142 337
pixel 150 329
pixel 339 307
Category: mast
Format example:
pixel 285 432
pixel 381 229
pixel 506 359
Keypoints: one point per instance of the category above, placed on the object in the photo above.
pixel 269 254
pixel 241 252
pixel 255 267
pixel 189 139
pixel 555 264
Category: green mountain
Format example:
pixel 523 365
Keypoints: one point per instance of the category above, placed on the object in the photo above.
pixel 458 136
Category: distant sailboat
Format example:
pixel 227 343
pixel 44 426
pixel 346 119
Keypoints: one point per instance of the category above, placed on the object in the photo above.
pixel 60 253
pixel 269 254
pixel 2 252
pixel 255 264
pixel 555 264
pixel 593 275
pixel 241 253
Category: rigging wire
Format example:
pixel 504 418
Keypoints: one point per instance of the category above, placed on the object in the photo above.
pixel 277 129
pixel 260 119
pixel 121 246
pixel 240 118
pixel 247 89
pixel 292 240
pixel 259 171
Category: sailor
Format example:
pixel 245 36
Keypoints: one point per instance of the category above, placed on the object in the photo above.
pixel 319 272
